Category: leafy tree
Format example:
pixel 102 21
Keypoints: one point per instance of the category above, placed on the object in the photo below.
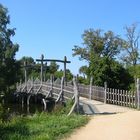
pixel 113 73
pixel 59 74
pixel 31 70
pixel 8 65
pixel 100 51
pixel 69 75
pixel 83 70
pixel 53 67
pixel 27 59
pixel 131 52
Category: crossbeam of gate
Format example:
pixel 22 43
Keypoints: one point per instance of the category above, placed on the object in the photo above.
pixel 53 60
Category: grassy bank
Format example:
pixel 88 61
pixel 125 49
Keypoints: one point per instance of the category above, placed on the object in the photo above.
pixel 42 126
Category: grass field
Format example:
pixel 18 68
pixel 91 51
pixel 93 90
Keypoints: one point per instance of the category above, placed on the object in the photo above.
pixel 42 126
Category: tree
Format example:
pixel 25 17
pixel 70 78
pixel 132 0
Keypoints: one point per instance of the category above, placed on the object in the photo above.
pixel 83 70
pixel 100 51
pixel 31 70
pixel 8 65
pixel 131 49
pixel 113 73
pixel 53 67
pixel 29 60
pixel 131 46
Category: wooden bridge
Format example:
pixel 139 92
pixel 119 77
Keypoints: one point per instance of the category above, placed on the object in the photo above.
pixel 49 89
pixel 60 91
pixel 95 98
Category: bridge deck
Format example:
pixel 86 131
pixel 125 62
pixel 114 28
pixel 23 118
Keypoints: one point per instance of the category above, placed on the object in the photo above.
pixel 92 107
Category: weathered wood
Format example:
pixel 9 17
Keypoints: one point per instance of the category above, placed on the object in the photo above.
pixel 118 97
pixel 138 93
pixel 28 100
pixel 61 95
pixel 44 103
pixel 76 95
pixel 126 98
pixel 90 91
pixel 105 92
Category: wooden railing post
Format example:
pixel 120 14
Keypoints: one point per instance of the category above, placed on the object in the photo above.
pixel 90 90
pixel 138 94
pixel 105 90
pixel 62 87
pixel 76 97
pixel 76 94
pixel 51 85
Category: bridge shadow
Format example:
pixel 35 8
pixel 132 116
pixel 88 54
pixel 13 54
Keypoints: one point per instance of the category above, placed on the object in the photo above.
pixel 89 109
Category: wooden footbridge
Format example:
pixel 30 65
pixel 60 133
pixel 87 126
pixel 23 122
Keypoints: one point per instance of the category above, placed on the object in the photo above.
pixel 49 89
pixel 94 99
pixel 60 91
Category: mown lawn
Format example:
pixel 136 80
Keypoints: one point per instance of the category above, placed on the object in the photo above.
pixel 40 127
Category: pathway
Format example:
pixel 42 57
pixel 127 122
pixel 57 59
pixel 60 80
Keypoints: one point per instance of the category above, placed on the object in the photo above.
pixel 123 124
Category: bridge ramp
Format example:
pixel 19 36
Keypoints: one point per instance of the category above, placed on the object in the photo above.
pixel 93 107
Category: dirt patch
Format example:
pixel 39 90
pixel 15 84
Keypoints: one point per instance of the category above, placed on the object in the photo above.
pixel 123 126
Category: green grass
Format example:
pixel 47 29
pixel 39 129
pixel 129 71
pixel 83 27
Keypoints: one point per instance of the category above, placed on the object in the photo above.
pixel 42 126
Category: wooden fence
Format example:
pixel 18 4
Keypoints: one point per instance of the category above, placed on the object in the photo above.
pixel 112 96
pixel 121 97
pixel 92 92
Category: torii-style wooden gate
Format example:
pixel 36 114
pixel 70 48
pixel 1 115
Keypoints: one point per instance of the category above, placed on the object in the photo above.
pixel 53 60
pixel 42 66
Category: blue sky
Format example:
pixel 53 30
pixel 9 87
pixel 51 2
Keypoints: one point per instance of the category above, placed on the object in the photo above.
pixel 53 27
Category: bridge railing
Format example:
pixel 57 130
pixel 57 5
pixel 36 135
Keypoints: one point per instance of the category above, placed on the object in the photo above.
pixel 121 97
pixel 111 96
pixel 35 87
pixel 103 94
pixel 51 89
pixel 92 92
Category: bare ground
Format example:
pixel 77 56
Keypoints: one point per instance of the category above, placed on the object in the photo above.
pixel 122 126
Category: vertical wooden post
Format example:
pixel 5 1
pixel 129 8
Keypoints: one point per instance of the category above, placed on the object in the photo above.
pixel 22 101
pixel 138 94
pixel 51 85
pixel 25 73
pixel 28 100
pixel 105 92
pixel 44 103
pixel 45 72
pixel 64 75
pixel 126 98
pixel 62 87
pixel 41 74
pixel 90 90
pixel 76 94
pixel 121 97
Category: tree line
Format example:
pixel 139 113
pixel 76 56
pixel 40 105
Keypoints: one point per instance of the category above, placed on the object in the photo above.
pixel 110 58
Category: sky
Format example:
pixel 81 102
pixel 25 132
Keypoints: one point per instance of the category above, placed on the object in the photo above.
pixel 53 27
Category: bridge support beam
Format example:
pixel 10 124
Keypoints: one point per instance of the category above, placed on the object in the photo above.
pixel 44 103
pixel 22 101
pixel 28 100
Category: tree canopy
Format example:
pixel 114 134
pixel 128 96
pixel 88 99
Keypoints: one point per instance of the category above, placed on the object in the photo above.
pixel 101 50
pixel 8 65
